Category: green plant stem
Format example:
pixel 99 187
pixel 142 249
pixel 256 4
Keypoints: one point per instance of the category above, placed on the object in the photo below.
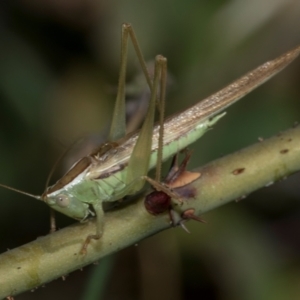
pixel 223 180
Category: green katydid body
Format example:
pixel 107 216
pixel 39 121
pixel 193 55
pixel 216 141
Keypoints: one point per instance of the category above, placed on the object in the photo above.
pixel 104 176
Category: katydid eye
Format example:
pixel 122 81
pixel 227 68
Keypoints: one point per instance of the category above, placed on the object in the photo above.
pixel 62 200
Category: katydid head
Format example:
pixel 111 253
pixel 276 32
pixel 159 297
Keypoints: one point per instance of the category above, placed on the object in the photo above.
pixel 62 202
pixel 63 197
pixel 67 204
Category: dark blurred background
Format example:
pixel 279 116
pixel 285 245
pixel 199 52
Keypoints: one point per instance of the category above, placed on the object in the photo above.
pixel 58 76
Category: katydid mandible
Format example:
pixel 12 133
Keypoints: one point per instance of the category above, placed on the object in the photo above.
pixel 119 167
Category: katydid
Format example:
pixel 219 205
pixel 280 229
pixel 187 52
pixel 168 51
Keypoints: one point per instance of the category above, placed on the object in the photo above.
pixel 119 167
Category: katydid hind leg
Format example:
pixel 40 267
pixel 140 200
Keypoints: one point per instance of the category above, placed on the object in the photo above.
pixel 138 165
pixel 160 187
pixel 118 125
pixel 161 109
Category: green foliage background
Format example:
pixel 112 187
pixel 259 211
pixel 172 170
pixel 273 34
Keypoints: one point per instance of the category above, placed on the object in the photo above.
pixel 58 73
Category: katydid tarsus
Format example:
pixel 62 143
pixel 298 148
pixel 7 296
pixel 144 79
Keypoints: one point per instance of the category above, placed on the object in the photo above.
pixel 119 167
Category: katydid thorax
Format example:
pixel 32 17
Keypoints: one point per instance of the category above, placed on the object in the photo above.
pixel 119 167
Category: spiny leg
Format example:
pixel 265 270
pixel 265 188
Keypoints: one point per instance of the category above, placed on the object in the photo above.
pixel 156 184
pixel 118 125
pixel 161 109
pixel 138 164
pixel 160 187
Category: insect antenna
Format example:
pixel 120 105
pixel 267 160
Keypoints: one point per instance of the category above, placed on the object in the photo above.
pixel 20 192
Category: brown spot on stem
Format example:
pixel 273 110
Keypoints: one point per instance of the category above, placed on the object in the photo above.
pixel 238 171
pixel 284 151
